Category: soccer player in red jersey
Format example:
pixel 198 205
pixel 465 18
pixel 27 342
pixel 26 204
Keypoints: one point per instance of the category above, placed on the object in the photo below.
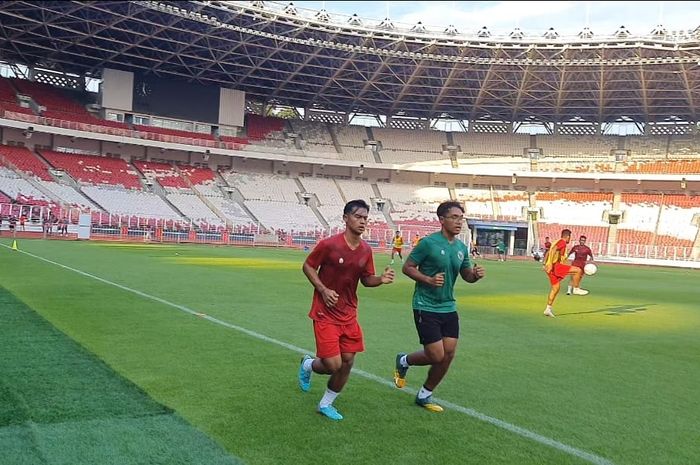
pixel 581 254
pixel 547 245
pixel 334 268
pixel 556 268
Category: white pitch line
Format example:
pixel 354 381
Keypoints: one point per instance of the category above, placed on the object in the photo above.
pixel 553 443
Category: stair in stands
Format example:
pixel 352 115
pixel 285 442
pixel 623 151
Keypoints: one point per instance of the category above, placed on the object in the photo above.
pixel 37 185
pixel 204 199
pixel 234 194
pixel 156 188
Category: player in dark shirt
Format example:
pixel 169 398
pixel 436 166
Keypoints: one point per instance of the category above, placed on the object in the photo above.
pixel 581 254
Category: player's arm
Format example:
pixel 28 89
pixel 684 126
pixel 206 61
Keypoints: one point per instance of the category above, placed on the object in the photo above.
pixel 373 281
pixel 410 269
pixel 472 274
pixel 330 297
pixel 553 255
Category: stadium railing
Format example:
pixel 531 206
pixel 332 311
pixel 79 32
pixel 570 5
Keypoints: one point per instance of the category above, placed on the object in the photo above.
pixel 107 226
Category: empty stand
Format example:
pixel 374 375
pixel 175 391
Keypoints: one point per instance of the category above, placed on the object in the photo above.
pixel 284 216
pixel 648 146
pixel 258 186
pixel 23 159
pixel 575 208
pixel 414 205
pixel 193 207
pixel 576 146
pixel 129 202
pixel 351 141
pixel 491 144
pixel 326 190
pixel 596 235
pixel 403 146
pixel 665 167
pixel 59 106
pixel 94 169
pixel 164 173
pixel 19 189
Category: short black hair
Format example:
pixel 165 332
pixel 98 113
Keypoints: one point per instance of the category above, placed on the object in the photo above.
pixel 355 205
pixel 582 237
pixel 444 207
pixel 565 232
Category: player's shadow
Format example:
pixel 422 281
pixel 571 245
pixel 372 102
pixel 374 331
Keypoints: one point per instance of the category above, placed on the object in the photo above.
pixel 615 310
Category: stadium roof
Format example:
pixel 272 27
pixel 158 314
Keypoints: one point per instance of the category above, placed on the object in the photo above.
pixel 284 55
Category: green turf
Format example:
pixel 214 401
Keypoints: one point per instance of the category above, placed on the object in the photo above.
pixel 61 405
pixel 615 374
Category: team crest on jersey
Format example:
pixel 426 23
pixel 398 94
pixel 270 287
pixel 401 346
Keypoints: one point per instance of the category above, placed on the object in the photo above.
pixel 340 260
pixel 442 252
pixel 460 255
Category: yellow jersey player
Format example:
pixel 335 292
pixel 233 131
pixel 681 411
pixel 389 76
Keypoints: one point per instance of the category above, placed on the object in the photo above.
pixel 396 246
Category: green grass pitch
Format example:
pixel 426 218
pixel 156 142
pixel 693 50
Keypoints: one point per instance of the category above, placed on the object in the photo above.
pixel 615 375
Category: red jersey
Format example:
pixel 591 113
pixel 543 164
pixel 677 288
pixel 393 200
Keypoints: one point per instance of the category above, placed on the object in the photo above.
pixel 560 245
pixel 341 270
pixel 581 254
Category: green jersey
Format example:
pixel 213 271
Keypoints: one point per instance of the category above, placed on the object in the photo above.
pixel 435 254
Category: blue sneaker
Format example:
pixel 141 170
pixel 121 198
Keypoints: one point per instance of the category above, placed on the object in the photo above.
pixel 400 372
pixel 330 412
pixel 304 376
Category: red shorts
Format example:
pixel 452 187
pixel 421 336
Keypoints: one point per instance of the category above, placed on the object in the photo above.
pixel 395 250
pixel 333 340
pixel 559 272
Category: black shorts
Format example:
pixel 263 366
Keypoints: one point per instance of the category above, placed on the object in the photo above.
pixel 433 326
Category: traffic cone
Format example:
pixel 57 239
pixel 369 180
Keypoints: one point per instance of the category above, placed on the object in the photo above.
pixel 14 245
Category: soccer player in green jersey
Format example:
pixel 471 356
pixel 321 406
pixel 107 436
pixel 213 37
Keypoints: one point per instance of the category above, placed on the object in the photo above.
pixel 434 265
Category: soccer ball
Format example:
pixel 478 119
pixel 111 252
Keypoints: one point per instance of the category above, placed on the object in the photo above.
pixel 590 269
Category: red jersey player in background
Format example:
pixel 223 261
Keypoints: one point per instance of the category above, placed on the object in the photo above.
pixel 556 268
pixel 547 244
pixel 581 254
pixel 334 267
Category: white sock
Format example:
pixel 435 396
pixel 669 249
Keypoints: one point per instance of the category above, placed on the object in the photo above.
pixel 549 307
pixel 327 398
pixel 423 393
pixel 308 364
pixel 569 289
pixel 403 361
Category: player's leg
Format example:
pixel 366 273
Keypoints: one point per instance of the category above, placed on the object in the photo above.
pixel 430 336
pixel 401 256
pixel 553 291
pixel 576 274
pixel 438 370
pixel 351 341
pixel 327 360
pixel 340 376
pixel 449 328
pixel 335 385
